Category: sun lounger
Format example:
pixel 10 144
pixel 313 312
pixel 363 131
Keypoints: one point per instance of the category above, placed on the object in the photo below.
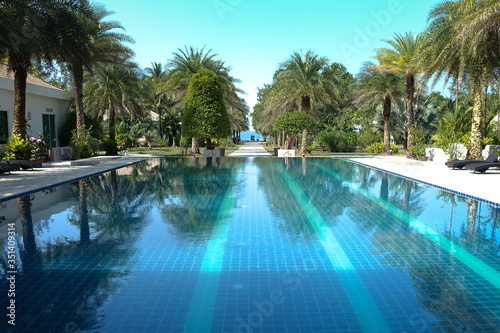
pixel 482 167
pixel 460 164
pixel 7 168
pixel 25 165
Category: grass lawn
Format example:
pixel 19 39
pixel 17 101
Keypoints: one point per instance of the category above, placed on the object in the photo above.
pixel 170 151
pixel 318 152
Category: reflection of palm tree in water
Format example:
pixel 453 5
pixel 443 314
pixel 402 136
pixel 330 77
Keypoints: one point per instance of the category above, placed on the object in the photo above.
pixel 31 259
pixel 84 221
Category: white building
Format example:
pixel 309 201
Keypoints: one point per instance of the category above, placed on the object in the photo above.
pixel 46 107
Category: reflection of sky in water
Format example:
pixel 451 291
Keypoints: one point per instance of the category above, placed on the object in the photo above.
pixel 198 248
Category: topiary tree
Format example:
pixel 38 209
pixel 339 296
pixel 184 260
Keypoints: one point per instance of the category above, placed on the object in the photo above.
pixel 292 124
pixel 205 114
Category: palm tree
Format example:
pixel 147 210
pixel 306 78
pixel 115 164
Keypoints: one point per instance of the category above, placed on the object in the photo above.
pixel 452 47
pixel 107 48
pixel 188 62
pixel 61 37
pixel 114 88
pixel 402 59
pixel 299 83
pixel 156 76
pixel 375 87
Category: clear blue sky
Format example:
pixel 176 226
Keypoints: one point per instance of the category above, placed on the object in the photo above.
pixel 254 36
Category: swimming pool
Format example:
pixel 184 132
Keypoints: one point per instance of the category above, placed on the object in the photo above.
pixel 250 245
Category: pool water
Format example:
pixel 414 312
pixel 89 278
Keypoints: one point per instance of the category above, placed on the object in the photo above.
pixel 250 245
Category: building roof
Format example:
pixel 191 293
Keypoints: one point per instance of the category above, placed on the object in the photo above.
pixel 5 72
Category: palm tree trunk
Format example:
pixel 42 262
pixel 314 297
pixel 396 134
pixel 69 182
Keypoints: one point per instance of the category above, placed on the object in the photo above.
pixel 111 122
pixel 20 77
pixel 209 143
pixel 305 134
pixel 410 96
pixel 476 148
pixel 387 124
pixel 160 130
pixel 306 107
pixel 195 146
pixel 78 81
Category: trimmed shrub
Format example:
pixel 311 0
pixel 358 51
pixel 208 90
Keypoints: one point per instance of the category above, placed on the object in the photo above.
pixel 374 148
pixel 110 147
pixel 205 114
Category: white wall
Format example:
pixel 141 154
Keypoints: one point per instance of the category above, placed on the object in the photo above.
pixel 38 100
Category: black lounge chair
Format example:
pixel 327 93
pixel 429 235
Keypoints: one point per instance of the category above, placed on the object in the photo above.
pixel 460 164
pixel 25 165
pixel 7 168
pixel 482 167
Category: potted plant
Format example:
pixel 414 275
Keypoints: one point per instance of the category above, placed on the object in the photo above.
pixel 39 149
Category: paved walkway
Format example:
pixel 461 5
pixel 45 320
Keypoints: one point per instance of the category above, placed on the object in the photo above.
pixel 484 186
pixel 251 149
pixel 56 173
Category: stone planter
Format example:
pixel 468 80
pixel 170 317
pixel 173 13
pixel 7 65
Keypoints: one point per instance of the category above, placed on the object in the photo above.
pixel 286 153
pixel 212 153
pixel 276 151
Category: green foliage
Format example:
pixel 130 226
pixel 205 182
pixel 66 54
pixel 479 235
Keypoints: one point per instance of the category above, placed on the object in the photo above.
pixel 110 147
pixel 420 143
pixel 369 135
pixel 133 129
pixel 293 123
pixel 18 148
pixel 335 141
pixel 449 139
pixel 225 142
pixel 205 115
pixel 161 143
pixel 394 148
pixel 309 149
pixel 124 141
pixel 80 144
pixel 374 148
pixel 65 132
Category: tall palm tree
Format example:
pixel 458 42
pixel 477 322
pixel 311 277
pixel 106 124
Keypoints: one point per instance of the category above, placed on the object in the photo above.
pixel 299 82
pixel 107 47
pixel 41 29
pixel 402 59
pixel 114 89
pixel 452 47
pixel 376 87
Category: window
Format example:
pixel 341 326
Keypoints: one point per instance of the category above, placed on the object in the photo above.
pixel 4 127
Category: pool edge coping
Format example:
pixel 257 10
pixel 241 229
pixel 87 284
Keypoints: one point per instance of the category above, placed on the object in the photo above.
pixel 72 180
